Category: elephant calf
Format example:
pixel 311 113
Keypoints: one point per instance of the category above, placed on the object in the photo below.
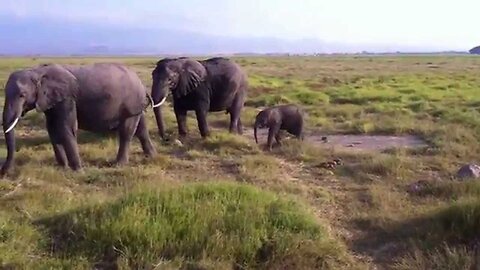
pixel 282 117
pixel 97 98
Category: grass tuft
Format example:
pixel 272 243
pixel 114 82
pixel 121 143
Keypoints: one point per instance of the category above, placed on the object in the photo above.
pixel 213 221
pixel 444 258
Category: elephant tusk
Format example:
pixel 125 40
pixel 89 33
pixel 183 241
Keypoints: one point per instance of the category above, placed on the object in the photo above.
pixel 12 125
pixel 37 108
pixel 160 103
pixel 150 99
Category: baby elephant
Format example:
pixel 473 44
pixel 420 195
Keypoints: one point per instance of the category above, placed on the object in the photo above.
pixel 285 117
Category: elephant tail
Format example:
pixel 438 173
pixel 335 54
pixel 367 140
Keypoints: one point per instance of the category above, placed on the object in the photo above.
pixel 255 132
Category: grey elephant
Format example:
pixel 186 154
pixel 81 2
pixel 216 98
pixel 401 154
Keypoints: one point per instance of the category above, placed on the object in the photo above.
pixel 282 117
pixel 210 85
pixel 99 98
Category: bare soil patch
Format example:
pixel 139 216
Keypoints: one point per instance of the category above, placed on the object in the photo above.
pixel 360 142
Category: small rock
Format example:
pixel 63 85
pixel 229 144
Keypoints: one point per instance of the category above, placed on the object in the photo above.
pixel 418 186
pixel 469 171
pixel 324 139
pixel 329 165
pixel 338 161
pixel 177 142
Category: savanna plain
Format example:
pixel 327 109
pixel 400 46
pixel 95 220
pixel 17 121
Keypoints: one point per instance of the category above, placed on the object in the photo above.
pixel 226 203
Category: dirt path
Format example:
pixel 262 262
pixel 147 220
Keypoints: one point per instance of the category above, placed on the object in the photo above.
pixel 336 209
pixel 360 142
pixel 333 209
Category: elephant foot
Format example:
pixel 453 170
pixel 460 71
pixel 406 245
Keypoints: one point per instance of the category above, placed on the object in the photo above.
pixel 3 172
pixel 236 132
pixel 270 148
pixel 76 168
pixel 119 163
pixel 62 166
pixel 79 171
pixel 181 138
pixel 151 154
pixel 6 169
pixel 149 150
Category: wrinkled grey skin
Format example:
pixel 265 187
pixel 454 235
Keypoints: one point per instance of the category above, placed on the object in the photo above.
pixel 210 85
pixel 282 117
pixel 97 98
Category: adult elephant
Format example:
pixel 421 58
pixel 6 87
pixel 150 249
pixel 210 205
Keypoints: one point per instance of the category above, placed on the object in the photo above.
pixel 211 85
pixel 99 98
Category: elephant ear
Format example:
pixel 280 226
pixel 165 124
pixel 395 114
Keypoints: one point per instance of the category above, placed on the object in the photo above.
pixel 272 117
pixel 190 78
pixel 55 85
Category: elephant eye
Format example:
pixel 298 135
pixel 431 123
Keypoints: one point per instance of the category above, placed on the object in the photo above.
pixel 22 95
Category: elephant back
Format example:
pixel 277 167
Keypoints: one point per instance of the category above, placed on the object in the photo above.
pixel 226 79
pixel 108 93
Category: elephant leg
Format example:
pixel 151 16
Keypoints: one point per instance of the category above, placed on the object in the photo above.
pixel 65 115
pixel 126 130
pixel 234 120
pixel 300 135
pixel 278 138
pixel 236 108
pixel 142 134
pixel 239 126
pixel 181 122
pixel 71 150
pixel 56 141
pixel 272 132
pixel 202 123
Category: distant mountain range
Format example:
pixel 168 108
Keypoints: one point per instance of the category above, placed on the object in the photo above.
pixel 42 36
pixel 475 50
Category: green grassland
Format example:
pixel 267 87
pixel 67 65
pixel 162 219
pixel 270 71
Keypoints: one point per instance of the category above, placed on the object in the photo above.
pixel 225 203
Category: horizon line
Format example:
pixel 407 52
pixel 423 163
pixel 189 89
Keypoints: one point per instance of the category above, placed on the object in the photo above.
pixel 364 53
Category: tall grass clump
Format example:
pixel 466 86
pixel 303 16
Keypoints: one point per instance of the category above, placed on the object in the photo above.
pixel 461 221
pixel 446 239
pixel 220 222
pixel 445 258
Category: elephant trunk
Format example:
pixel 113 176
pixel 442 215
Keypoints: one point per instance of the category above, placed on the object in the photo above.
pixel 159 94
pixel 160 123
pixel 10 119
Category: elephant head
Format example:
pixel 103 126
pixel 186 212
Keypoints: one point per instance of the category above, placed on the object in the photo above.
pixel 55 85
pixel 263 119
pixel 41 88
pixel 180 76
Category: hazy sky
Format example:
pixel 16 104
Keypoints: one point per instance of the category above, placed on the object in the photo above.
pixel 453 24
